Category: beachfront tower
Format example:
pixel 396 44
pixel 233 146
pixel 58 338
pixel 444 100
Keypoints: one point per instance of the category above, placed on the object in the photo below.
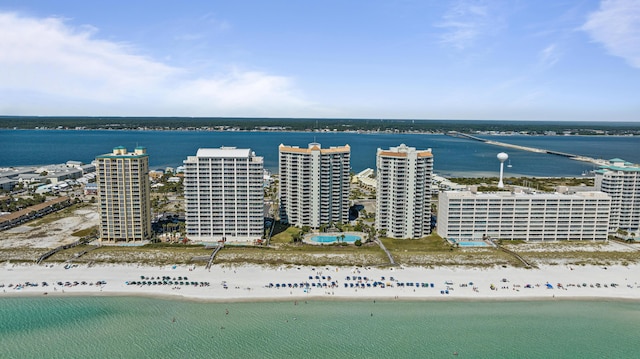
pixel 314 185
pixel 621 180
pixel 403 198
pixel 523 215
pixel 224 195
pixel 123 189
pixel 502 157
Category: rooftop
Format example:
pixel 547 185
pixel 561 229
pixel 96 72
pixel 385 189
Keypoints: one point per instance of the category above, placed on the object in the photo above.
pixel 315 147
pixel 229 152
pixel 537 195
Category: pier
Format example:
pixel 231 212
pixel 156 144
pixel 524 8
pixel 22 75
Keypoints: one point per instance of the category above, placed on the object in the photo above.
pixel 526 148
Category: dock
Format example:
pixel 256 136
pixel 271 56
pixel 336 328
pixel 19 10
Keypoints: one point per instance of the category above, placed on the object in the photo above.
pixel 529 149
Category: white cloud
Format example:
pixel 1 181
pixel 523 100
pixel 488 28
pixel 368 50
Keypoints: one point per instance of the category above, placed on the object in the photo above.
pixel 549 56
pixel 467 21
pixel 240 92
pixel 616 25
pixel 52 68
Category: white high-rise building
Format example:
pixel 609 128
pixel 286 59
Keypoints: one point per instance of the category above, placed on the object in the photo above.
pixel 314 185
pixel 403 197
pixel 621 181
pixel 470 215
pixel 124 192
pixel 224 195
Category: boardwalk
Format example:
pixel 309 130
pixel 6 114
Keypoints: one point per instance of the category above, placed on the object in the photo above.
pixel 391 260
pixel 517 256
pixel 213 255
pixel 66 246
pixel 80 254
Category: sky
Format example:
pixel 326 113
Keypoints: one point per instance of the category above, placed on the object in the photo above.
pixel 574 60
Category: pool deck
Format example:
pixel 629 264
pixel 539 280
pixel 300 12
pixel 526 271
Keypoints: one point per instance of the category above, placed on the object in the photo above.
pixel 308 236
pixel 472 244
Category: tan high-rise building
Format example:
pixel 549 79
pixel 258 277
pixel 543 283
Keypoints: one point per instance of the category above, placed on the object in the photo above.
pixel 314 185
pixel 224 195
pixel 403 197
pixel 123 188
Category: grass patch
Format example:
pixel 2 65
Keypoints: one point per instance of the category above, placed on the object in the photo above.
pixel 144 255
pixel 514 241
pixel 303 255
pixel 85 232
pixel 577 257
pixel 21 254
pixel 52 217
pixel 284 234
pixel 433 251
pixel 432 243
pixel 171 245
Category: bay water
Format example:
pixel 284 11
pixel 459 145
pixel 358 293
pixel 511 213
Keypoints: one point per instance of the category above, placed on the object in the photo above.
pixel 452 156
pixel 136 327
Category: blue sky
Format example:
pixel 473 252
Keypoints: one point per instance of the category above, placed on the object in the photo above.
pixel 424 59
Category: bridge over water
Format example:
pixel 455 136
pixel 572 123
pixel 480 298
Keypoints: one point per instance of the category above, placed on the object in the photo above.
pixel 526 148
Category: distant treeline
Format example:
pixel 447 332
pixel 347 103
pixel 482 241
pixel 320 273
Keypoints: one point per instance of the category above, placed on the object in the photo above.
pixel 320 124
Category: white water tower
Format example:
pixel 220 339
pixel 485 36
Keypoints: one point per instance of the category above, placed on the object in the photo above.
pixel 502 157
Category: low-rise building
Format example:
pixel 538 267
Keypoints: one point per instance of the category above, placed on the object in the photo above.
pixel 471 215
pixel 366 178
pixel 7 184
pixel 16 218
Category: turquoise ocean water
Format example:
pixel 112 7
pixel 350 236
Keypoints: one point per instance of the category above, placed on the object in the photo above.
pixel 131 327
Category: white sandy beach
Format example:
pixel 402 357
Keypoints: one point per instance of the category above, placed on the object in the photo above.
pixel 254 283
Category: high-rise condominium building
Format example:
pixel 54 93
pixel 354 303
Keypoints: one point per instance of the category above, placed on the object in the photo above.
pixel 621 181
pixel 224 195
pixel 471 215
pixel 123 187
pixel 403 197
pixel 314 185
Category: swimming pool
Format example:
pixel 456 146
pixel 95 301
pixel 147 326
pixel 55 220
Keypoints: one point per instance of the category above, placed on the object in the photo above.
pixel 348 238
pixel 472 244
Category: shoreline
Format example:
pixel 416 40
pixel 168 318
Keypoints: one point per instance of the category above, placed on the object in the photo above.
pixel 250 283
pixel 181 298
pixel 356 131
